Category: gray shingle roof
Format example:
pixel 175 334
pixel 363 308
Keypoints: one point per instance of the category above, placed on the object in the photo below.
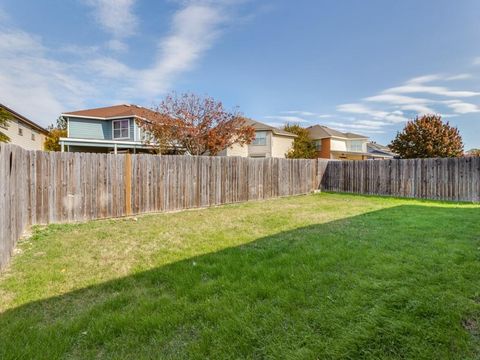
pixel 322 132
pixel 265 127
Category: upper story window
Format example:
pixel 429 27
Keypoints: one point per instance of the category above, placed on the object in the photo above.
pixel 318 145
pixel 121 129
pixel 20 131
pixel 355 145
pixel 260 138
pixel 33 136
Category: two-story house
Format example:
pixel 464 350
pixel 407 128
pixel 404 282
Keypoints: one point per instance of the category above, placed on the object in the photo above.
pixel 334 144
pixel 269 142
pixel 115 129
pixel 107 129
pixel 23 131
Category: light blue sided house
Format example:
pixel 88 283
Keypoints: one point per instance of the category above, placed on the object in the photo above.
pixel 110 129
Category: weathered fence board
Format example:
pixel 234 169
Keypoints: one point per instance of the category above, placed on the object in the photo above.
pixel 456 179
pixel 41 188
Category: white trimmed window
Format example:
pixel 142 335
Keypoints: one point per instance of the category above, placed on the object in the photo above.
pixel 355 145
pixel 260 138
pixel 121 129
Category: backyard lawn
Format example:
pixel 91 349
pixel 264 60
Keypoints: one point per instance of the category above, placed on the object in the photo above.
pixel 323 276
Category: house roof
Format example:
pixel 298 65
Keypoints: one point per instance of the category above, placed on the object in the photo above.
pixel 265 127
pixel 126 110
pixel 322 132
pixel 24 119
pixel 115 111
pixel 377 148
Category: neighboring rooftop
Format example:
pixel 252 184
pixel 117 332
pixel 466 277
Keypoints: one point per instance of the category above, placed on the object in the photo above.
pixel 377 148
pixel 115 111
pixel 322 132
pixel 24 119
pixel 265 127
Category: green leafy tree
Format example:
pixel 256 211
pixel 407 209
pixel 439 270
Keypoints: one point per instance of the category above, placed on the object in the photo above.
pixel 4 120
pixel 52 142
pixel 473 152
pixel 303 147
pixel 428 137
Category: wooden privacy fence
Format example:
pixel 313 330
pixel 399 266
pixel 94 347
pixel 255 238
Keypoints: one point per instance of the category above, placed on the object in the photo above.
pixel 456 179
pixel 40 187
pixel 50 187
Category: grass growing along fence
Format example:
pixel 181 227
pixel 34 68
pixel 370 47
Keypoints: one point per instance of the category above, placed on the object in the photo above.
pixel 324 276
pixel 40 188
pixel 454 179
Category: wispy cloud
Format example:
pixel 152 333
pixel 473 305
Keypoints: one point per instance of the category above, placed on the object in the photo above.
pixel 307 114
pixel 361 109
pixel 293 119
pixel 299 112
pixel 30 70
pixel 417 96
pixel 363 126
pixel 27 74
pixel 194 30
pixel 461 107
pixel 116 17
pixel 406 103
pixel 459 77
pixel 418 86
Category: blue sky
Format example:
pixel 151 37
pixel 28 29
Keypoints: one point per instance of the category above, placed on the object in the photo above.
pixel 362 66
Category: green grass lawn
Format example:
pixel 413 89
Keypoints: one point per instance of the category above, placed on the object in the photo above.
pixel 324 276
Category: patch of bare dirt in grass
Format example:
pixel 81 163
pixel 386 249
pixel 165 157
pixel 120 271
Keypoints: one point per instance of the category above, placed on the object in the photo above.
pixel 472 326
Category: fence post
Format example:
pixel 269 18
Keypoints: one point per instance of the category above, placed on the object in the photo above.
pixel 128 184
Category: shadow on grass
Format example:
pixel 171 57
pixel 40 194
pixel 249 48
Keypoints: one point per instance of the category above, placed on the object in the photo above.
pixel 395 283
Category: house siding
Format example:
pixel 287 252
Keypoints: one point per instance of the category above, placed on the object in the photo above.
pixel 338 145
pixel 83 128
pixel 281 145
pixel 25 141
pixel 324 152
pixel 235 150
pixel 262 150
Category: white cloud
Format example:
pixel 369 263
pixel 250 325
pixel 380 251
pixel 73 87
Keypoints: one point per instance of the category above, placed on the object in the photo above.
pixel 406 103
pixel 115 16
pixel 307 114
pixel 111 68
pixel 294 119
pixel 362 126
pixel 424 79
pixel 418 86
pixel 39 87
pixel 459 77
pixel 42 87
pixel 418 108
pixel 117 45
pixel 194 30
pixel 397 99
pixel 476 61
pixel 392 116
pixel 434 90
pixel 461 107
pixel 300 112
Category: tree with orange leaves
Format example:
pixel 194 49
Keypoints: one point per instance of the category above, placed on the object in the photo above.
pixel 197 125
pixel 428 137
